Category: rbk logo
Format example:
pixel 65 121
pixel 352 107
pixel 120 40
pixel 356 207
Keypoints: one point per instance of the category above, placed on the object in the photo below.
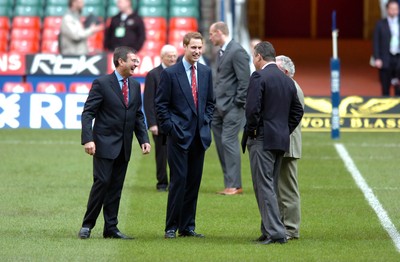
pixel 50 64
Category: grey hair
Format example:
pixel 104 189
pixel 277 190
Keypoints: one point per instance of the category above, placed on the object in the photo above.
pixel 287 64
pixel 168 48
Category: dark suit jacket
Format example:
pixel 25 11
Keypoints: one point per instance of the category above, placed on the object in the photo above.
pixel 272 108
pixel 150 86
pixel 175 107
pixel 381 42
pixel 115 123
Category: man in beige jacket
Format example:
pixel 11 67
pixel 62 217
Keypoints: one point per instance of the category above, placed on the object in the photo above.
pixel 73 35
pixel 288 189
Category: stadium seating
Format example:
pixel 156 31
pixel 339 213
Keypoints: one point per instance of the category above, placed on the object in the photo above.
pixel 153 11
pixel 155 23
pixel 50 87
pixel 52 22
pixel 3 40
pixel 161 3
pixel 22 10
pixel 50 46
pixel 29 2
pixel 57 2
pixel 17 87
pixel 50 33
pixel 193 3
pixel 80 87
pixel 26 22
pixel 183 23
pixel 24 46
pixel 184 11
pixel 25 33
pixel 55 10
pixel 4 22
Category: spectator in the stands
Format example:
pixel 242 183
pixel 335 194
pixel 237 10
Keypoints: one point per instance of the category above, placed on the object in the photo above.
pixel 73 35
pixel 126 28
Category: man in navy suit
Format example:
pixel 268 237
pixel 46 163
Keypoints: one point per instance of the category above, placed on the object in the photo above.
pixel 168 58
pixel 184 105
pixel 386 47
pixel 115 102
pixel 273 111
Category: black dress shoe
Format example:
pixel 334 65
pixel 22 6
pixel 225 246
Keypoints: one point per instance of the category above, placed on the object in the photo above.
pixel 261 238
pixel 84 233
pixel 116 234
pixel 190 233
pixel 272 241
pixel 170 234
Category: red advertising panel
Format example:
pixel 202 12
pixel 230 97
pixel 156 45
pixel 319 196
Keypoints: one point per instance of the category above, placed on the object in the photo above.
pixel 12 64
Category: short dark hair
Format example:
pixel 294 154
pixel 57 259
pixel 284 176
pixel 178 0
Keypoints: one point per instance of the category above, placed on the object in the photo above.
pixel 190 35
pixel 266 50
pixel 391 2
pixel 122 52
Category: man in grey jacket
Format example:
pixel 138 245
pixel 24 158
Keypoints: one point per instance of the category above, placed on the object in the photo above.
pixel 73 35
pixel 230 89
pixel 288 188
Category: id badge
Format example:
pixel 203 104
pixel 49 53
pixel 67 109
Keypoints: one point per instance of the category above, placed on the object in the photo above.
pixel 120 31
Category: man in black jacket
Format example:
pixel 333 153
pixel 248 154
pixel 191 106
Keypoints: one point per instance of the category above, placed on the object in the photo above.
pixel 168 58
pixel 273 111
pixel 115 102
pixel 386 47
pixel 126 28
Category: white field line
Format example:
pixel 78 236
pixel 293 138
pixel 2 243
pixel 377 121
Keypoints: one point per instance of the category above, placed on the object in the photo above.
pixel 369 195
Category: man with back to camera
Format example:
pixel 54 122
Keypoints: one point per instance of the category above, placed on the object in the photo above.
pixel 273 111
pixel 115 103
pixel 230 91
pixel 168 58
pixel 184 106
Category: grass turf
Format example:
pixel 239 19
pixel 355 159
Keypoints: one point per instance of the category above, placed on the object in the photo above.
pixel 46 177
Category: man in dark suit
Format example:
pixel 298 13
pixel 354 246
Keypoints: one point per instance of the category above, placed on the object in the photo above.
pixel 184 105
pixel 386 48
pixel 230 89
pixel 115 102
pixel 273 111
pixel 168 58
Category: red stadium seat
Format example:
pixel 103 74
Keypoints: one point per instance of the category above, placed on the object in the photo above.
pixel 96 42
pixel 26 22
pixel 5 22
pixel 176 35
pixel 80 87
pixel 179 46
pixel 50 46
pixel 157 35
pixel 155 23
pixel 25 33
pixel 152 45
pixel 3 45
pixel 52 22
pixel 24 46
pixel 186 23
pixel 50 87
pixel 50 33
pixel 17 87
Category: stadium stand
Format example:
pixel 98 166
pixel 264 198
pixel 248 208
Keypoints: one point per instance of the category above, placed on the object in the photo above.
pixel 17 87
pixel 33 26
pixel 80 87
pixel 51 87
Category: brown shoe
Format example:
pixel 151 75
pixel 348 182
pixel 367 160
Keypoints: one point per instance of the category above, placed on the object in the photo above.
pixel 231 191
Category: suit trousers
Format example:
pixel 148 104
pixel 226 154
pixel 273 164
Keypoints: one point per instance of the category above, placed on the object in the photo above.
pixel 108 180
pixel 289 196
pixel 387 74
pixel 226 127
pixel 186 169
pixel 265 169
pixel 161 162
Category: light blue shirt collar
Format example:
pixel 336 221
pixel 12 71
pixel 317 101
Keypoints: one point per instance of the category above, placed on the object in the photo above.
pixel 120 78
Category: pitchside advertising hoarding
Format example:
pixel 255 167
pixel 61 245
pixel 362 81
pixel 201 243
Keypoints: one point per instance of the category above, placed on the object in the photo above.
pixel 63 110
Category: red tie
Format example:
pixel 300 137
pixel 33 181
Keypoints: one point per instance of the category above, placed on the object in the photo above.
pixel 194 85
pixel 125 90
